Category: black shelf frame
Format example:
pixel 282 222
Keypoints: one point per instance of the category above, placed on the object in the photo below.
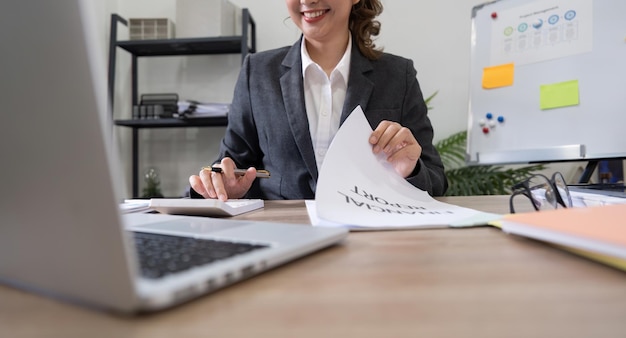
pixel 241 44
pixel 217 121
pixel 191 46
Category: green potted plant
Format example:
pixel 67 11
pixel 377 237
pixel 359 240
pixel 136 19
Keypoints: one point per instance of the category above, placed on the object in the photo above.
pixel 153 184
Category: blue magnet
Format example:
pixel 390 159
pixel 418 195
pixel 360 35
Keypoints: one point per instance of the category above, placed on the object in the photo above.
pixel 489 116
pixel 500 118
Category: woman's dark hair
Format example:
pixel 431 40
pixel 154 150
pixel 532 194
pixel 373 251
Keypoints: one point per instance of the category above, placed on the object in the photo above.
pixel 364 27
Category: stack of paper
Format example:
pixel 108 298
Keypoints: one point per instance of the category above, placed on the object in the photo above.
pixel 135 205
pixel 589 199
pixel 195 109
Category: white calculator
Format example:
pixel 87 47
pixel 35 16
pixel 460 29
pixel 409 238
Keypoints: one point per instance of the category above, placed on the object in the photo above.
pixel 205 207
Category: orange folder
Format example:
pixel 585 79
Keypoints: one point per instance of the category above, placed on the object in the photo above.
pixel 597 232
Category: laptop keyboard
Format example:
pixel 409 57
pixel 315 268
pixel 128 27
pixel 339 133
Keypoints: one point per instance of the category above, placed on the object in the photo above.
pixel 160 255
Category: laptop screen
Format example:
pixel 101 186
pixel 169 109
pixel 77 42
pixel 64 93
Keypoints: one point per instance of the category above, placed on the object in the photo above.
pixel 59 208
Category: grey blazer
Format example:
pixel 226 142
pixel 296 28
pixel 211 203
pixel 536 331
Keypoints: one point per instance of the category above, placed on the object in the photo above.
pixel 268 126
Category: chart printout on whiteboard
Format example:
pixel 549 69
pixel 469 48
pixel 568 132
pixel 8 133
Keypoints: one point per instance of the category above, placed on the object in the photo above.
pixel 541 31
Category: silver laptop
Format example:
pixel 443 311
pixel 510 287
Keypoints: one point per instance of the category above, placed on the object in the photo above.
pixel 61 231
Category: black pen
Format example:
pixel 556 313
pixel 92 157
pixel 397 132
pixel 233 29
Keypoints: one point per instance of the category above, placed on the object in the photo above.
pixel 240 172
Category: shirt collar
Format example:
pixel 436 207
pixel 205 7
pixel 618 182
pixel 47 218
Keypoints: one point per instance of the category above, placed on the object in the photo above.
pixel 343 67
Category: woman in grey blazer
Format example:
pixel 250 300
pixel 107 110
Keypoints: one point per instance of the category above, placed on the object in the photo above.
pixel 289 102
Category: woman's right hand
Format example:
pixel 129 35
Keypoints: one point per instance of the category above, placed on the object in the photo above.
pixel 223 185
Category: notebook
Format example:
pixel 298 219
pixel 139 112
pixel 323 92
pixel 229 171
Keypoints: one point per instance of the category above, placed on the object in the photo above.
pixel 596 232
pixel 205 207
pixel 62 233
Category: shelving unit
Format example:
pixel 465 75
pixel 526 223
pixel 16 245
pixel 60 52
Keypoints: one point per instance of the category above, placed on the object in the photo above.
pixel 240 44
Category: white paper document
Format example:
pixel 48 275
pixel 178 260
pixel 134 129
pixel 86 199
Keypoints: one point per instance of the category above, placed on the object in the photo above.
pixel 135 205
pixel 195 109
pixel 360 190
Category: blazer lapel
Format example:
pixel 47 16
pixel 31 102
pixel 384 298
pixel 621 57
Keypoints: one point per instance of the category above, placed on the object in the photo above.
pixel 359 86
pixel 292 88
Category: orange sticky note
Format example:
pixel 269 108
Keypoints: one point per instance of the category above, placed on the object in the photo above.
pixel 498 76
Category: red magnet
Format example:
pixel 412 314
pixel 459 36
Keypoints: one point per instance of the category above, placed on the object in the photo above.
pixel 485 130
pixel 494 15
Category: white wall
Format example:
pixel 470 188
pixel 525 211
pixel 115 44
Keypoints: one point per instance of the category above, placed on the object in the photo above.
pixel 435 34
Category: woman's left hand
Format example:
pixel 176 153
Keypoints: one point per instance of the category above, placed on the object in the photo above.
pixel 399 144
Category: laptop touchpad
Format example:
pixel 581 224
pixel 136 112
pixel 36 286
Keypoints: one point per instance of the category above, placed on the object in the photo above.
pixel 188 226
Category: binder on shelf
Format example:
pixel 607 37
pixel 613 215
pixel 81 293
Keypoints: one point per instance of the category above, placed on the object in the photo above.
pixel 154 106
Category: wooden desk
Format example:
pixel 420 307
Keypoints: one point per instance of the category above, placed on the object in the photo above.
pixel 476 282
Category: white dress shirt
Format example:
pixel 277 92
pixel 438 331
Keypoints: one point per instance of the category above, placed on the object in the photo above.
pixel 324 98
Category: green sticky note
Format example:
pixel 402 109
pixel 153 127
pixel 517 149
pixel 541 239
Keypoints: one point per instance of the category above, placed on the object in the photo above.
pixel 557 95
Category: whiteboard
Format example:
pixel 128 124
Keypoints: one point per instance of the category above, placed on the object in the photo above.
pixel 547 81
